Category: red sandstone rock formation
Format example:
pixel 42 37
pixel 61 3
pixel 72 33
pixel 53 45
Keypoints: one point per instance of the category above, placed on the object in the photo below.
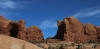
pixel 98 30
pixel 3 25
pixel 34 34
pixel 90 31
pixel 71 30
pixel 18 30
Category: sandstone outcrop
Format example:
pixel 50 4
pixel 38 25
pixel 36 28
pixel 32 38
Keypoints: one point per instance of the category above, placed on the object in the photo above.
pixel 3 25
pixel 34 34
pixel 72 30
pixel 18 30
pixel 90 32
pixel 13 43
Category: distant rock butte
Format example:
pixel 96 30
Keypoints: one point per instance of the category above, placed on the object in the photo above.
pixel 72 30
pixel 18 30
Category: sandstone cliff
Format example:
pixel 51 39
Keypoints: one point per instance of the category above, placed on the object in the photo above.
pixel 18 30
pixel 72 30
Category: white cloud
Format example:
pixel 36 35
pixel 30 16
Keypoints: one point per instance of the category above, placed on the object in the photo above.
pixel 14 4
pixel 89 12
pixel 8 4
pixel 48 24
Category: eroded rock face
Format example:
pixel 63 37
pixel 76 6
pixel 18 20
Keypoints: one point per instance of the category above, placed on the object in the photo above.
pixel 18 30
pixel 72 30
pixel 34 34
pixel 98 30
pixel 90 31
pixel 3 25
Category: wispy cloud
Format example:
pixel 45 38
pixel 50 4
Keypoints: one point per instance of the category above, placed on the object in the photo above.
pixel 48 24
pixel 8 4
pixel 89 12
pixel 14 4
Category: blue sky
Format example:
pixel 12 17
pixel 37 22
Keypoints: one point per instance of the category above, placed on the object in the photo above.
pixel 45 13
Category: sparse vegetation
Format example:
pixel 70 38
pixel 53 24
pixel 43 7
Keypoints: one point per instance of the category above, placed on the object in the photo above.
pixel 91 41
pixel 94 46
pixel 73 44
pixel 60 45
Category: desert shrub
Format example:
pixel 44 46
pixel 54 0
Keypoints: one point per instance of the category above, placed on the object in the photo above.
pixel 91 41
pixel 50 47
pixel 52 40
pixel 38 42
pixel 73 44
pixel 66 45
pixel 94 46
pixel 79 46
pixel 61 45
pixel 61 48
pixel 42 46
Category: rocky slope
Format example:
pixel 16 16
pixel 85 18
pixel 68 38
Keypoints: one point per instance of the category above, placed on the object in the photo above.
pixel 72 30
pixel 7 42
pixel 18 30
